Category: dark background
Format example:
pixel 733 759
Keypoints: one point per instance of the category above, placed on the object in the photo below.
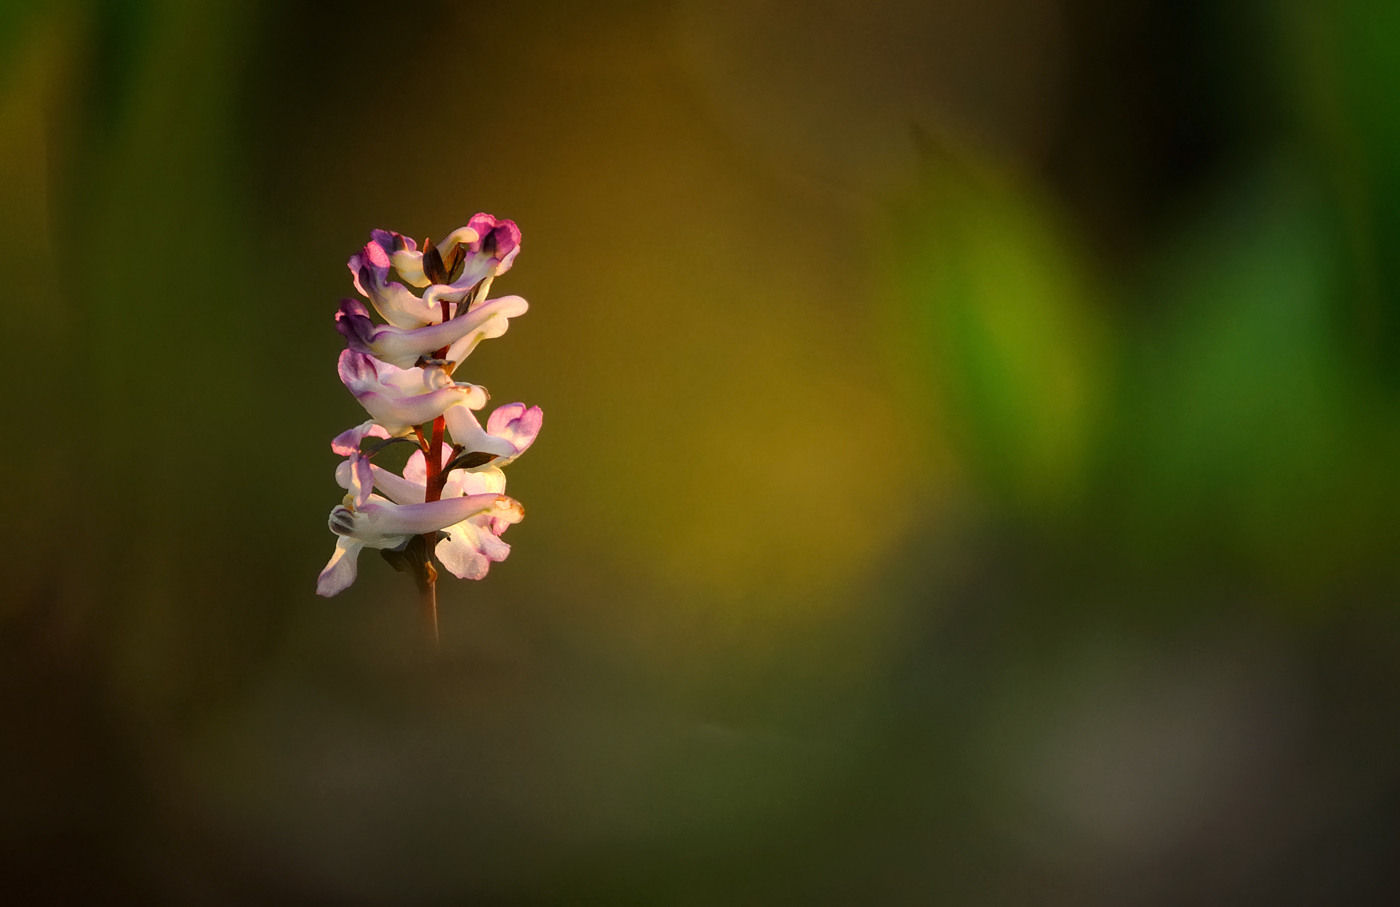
pixel 969 476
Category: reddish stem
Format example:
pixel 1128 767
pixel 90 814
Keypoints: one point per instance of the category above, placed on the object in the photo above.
pixel 432 458
pixel 427 595
pixel 433 466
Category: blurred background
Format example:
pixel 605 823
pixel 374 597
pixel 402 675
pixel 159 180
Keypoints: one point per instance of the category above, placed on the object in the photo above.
pixel 970 472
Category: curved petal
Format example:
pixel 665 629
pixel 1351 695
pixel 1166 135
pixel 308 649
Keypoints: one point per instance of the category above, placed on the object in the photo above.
pixel 466 431
pixel 439 293
pixel 396 304
pixel 410 380
pixel 402 413
pixel 360 371
pixel 409 264
pixel 361 479
pixel 357 372
pixel 464 235
pixel 387 401
pixel 482 480
pixel 402 348
pixel 371 268
pixel 340 572
pixel 503 517
pixel 471 545
pixel 515 423
pixel 354 324
pixel 462 552
pixel 348 441
pixel 416 469
pixel 490 537
pixel 397 488
pixel 494 318
pixel 490 245
pixel 499 240
pixel 381 519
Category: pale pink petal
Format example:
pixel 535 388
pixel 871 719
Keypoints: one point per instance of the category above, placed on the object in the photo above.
pixel 380 523
pixel 516 424
pixel 393 407
pixel 340 572
pixel 403 348
pixel 348 442
pixel 397 488
pixel 466 431
pixel 372 267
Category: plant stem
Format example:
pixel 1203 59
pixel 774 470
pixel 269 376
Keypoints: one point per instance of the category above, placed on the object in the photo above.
pixel 431 442
pixel 427 584
pixel 427 596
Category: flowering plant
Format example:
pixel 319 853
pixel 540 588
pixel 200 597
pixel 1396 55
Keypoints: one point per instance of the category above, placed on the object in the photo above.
pixel 450 501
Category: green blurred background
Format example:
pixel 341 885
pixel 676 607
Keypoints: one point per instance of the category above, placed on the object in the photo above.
pixel 970 473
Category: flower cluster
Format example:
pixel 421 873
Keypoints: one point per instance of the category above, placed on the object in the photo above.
pixel 450 499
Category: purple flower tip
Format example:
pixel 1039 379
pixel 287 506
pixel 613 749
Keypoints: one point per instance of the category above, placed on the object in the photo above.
pixel 355 325
pixel 516 424
pixel 357 371
pixel 500 239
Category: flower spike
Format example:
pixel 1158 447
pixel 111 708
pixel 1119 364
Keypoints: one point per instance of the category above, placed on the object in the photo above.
pixel 449 502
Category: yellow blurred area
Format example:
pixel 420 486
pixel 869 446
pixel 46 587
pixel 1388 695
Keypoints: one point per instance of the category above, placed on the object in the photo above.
pixel 705 345
pixel 32 83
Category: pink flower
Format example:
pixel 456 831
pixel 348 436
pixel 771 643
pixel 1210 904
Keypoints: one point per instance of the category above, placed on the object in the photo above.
pixel 401 373
pixel 484 249
pixel 510 430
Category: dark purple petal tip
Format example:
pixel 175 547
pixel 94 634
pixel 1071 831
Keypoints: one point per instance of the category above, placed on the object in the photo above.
pixel 500 238
pixel 356 370
pixel 355 325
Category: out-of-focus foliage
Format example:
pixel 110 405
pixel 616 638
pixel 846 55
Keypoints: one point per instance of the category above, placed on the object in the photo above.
pixel 1009 327
pixel 971 473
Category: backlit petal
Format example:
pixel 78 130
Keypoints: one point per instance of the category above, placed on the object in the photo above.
pixel 340 572
pixel 466 431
